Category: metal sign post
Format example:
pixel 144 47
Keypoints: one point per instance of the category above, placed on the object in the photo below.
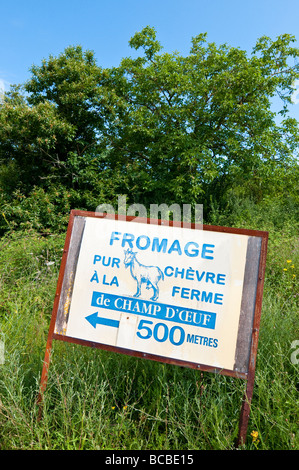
pixel 156 290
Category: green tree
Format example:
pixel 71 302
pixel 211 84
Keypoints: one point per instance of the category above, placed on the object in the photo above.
pixel 159 127
pixel 52 135
pixel 29 136
pixel 189 127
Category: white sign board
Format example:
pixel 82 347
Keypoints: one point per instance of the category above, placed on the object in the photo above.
pixel 166 291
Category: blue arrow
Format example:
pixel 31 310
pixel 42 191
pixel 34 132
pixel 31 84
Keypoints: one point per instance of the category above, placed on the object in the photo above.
pixel 94 320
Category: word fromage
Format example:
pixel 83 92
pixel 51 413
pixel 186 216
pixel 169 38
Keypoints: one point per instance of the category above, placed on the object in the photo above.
pixel 143 242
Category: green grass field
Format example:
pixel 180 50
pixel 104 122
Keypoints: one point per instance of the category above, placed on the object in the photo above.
pixel 100 400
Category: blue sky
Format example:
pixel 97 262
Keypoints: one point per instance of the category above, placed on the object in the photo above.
pixel 33 29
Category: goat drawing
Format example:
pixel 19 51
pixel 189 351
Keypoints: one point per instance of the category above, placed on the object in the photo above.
pixel 150 275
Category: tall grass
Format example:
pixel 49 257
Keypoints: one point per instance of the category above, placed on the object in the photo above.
pixel 100 400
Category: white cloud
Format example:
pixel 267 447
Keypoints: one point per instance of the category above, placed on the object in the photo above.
pixel 295 95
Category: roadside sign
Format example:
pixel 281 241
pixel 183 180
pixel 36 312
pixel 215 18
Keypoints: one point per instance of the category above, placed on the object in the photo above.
pixel 177 295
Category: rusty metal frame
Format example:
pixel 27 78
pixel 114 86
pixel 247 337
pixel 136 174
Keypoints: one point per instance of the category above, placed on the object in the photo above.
pixel 248 376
